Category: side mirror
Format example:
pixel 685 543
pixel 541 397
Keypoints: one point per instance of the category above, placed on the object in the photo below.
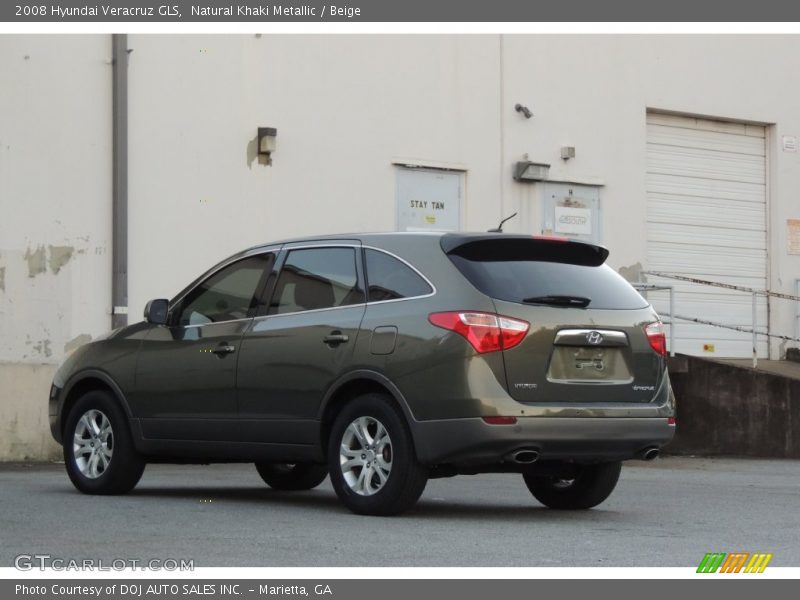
pixel 155 311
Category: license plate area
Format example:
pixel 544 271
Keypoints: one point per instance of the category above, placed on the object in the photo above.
pixel 589 364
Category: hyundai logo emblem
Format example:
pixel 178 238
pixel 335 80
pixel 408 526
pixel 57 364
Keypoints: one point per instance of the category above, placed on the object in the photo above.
pixel 594 338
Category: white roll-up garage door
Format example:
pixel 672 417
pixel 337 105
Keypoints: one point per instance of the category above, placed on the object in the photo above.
pixel 706 219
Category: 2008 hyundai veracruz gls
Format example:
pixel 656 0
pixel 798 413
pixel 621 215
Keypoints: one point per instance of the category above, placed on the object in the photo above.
pixel 383 360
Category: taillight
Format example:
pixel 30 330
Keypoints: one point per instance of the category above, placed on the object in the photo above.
pixel 551 238
pixel 657 337
pixel 487 332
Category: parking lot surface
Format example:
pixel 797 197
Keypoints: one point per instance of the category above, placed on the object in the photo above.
pixel 666 513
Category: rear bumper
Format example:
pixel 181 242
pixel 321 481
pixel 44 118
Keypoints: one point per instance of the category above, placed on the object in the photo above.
pixel 472 441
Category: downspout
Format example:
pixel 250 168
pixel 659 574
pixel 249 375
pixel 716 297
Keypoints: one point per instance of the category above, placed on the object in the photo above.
pixel 503 174
pixel 119 239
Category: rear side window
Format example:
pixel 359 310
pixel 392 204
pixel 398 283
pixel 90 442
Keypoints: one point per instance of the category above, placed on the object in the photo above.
pixel 316 278
pixel 519 277
pixel 391 279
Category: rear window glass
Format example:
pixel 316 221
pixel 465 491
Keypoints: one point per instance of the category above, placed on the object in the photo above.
pixel 390 279
pixel 517 279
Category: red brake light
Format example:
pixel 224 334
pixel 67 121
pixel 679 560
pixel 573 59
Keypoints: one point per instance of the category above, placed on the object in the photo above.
pixel 552 238
pixel 657 337
pixel 487 332
pixel 671 421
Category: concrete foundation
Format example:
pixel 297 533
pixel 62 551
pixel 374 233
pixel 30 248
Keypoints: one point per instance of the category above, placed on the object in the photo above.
pixel 729 409
pixel 24 424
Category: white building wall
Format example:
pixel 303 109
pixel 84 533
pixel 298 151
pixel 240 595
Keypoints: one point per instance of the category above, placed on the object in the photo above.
pixel 592 92
pixel 346 108
pixel 55 220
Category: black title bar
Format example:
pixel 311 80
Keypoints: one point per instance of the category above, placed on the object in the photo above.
pixel 176 11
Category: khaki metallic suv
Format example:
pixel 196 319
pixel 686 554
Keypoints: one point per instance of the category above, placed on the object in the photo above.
pixel 383 360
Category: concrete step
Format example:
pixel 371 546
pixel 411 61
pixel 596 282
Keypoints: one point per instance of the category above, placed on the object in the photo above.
pixel 726 407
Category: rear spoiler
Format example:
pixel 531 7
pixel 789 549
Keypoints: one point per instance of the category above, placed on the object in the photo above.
pixel 493 247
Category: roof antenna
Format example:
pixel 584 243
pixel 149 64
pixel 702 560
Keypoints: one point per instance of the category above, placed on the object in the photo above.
pixel 499 228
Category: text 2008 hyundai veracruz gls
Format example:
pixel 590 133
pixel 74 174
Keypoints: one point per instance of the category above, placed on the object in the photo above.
pixel 382 360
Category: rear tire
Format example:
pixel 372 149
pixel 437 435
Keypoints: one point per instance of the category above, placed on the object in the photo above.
pixel 98 447
pixel 292 476
pixel 591 486
pixel 371 458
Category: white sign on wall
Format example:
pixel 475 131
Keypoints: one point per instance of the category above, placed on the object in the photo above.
pixel 572 210
pixel 573 220
pixel 428 200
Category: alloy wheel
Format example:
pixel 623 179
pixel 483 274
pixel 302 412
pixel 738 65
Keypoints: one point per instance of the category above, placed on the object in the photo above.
pixel 93 444
pixel 365 456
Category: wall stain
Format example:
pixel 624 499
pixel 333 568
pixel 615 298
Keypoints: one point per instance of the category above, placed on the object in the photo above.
pixel 2 279
pixel 633 273
pixel 252 152
pixel 77 342
pixel 43 347
pixel 37 260
pixel 59 256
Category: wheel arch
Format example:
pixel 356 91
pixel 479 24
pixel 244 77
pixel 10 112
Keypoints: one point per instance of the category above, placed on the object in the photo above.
pixel 355 384
pixel 84 382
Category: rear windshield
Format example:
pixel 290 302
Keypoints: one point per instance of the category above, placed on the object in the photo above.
pixel 514 278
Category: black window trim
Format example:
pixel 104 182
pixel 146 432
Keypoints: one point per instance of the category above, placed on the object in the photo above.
pixel 405 262
pixel 176 303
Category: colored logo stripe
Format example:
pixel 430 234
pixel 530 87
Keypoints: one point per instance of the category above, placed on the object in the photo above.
pixel 758 563
pixel 711 562
pixel 734 562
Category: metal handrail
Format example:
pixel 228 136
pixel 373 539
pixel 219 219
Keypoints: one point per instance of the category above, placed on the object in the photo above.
pixel 729 286
pixel 737 328
pixel 797 310
pixel 753 291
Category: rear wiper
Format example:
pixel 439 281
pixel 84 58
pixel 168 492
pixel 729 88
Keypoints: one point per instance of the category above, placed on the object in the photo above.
pixel 577 301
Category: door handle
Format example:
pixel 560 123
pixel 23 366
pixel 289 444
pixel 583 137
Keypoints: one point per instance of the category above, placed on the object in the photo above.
pixel 223 349
pixel 335 338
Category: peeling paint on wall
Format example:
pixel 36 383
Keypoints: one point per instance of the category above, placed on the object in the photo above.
pixel 76 342
pixel 59 256
pixel 43 347
pixel 633 273
pixel 37 260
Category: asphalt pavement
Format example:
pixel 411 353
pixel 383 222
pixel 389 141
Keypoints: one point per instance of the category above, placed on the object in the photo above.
pixel 666 513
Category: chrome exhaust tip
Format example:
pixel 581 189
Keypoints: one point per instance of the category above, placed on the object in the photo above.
pixel 525 457
pixel 651 454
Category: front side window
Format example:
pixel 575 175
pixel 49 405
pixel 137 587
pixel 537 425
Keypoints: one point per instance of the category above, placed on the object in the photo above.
pixel 229 294
pixel 316 278
pixel 391 279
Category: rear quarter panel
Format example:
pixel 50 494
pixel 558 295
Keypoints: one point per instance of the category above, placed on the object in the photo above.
pixel 438 373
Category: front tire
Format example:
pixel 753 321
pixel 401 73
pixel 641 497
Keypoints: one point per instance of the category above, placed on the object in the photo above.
pixel 286 476
pixel 590 486
pixel 371 458
pixel 98 447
